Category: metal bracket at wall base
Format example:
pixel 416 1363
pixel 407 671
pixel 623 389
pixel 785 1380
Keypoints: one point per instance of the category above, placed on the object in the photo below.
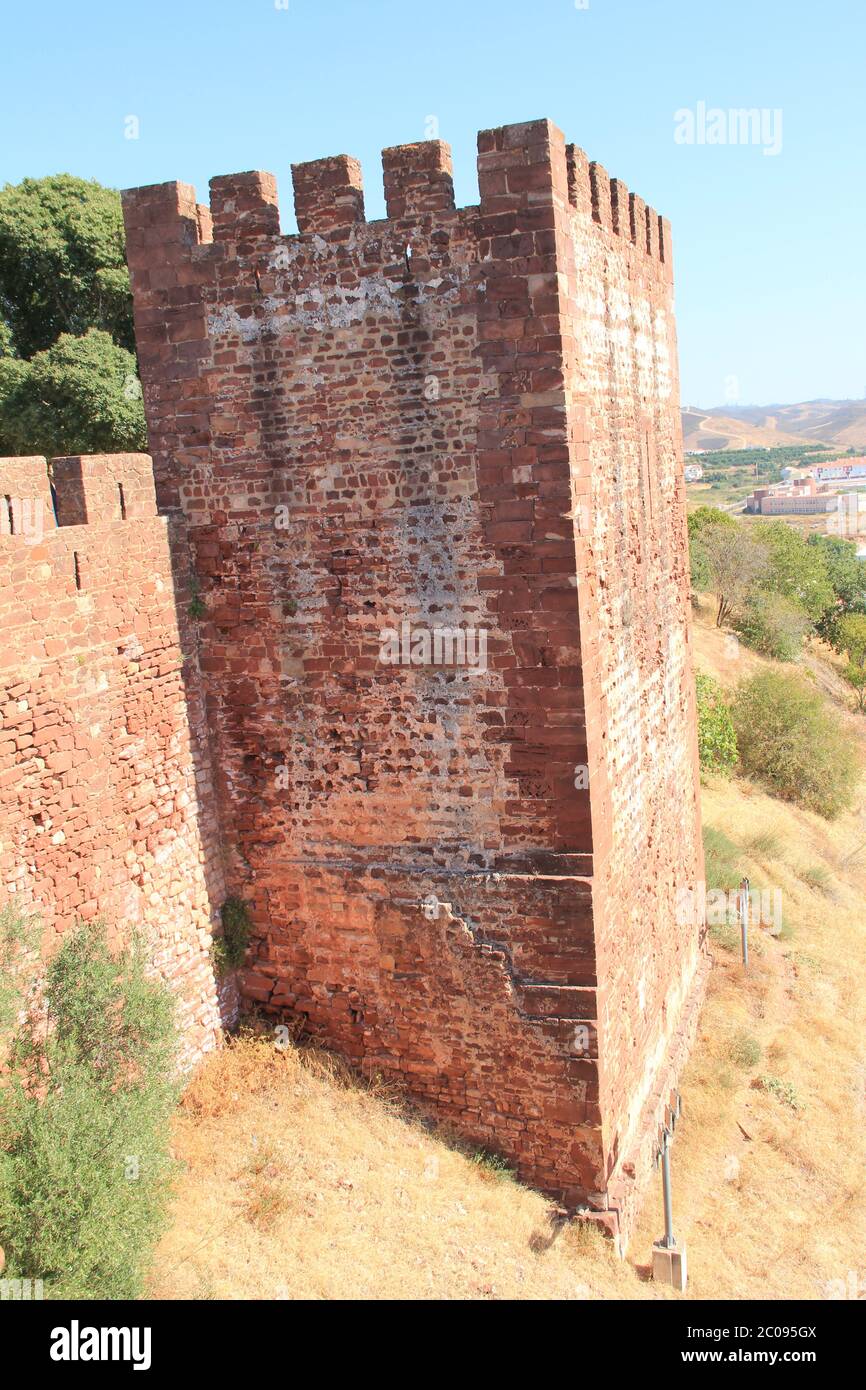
pixel 669 1265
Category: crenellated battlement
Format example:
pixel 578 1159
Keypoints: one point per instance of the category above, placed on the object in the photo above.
pixel 93 490
pixel 518 165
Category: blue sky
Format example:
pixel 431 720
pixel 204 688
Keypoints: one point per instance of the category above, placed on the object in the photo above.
pixel 769 247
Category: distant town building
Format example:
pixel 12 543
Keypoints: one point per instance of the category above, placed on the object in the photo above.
pixel 801 504
pixel 852 470
pixel 798 495
pixel 694 472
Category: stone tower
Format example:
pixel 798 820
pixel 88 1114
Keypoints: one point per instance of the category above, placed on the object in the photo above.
pixel 426 473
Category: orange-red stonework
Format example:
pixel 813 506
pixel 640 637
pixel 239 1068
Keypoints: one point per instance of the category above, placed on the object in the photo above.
pixel 105 801
pixel 462 875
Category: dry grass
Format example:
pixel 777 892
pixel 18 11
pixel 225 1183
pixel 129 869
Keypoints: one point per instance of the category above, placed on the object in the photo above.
pixel 299 1183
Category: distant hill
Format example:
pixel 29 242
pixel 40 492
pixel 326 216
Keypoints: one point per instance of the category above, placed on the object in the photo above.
pixel 841 424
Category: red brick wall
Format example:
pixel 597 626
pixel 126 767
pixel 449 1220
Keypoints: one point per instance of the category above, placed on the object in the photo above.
pixel 105 808
pixel 633 587
pixel 437 419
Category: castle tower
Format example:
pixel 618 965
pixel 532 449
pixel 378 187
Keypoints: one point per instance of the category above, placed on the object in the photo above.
pixel 429 474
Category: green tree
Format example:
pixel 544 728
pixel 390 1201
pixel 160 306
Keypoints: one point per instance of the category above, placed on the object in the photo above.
pixel 796 570
pixel 847 575
pixel 701 521
pixel 80 396
pixel 62 263
pixel 851 637
pixel 856 678
pixel 736 562
pixel 773 624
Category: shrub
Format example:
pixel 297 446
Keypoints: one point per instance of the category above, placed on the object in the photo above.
pixel 717 742
pixel 774 625
pixel 18 941
pixel 818 878
pixel 84 1118
pixel 492 1167
pixel 745 1051
pixel 782 1090
pixel 791 742
pixel 230 948
pixel 764 845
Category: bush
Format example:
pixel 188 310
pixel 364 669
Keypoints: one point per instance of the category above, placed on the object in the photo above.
pixel 717 743
pixel 744 1050
pixel 774 625
pixel 84 1121
pixel 18 946
pixel 791 742
pixel 230 949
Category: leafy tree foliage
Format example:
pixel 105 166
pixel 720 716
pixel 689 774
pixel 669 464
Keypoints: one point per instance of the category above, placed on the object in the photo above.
pixel 856 678
pixel 67 374
pixel 736 564
pixel 62 266
pixel 847 575
pixel 852 637
pixel 773 624
pixel 80 396
pixel 796 570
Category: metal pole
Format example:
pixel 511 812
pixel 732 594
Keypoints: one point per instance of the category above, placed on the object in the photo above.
pixel 744 920
pixel 670 1239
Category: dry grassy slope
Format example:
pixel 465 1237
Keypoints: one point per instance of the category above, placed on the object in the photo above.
pixel 706 431
pixel 298 1183
pixel 839 423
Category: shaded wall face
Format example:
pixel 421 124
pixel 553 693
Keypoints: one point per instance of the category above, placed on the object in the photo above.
pixel 103 798
pixel 341 520
pixel 634 596
pixel 345 467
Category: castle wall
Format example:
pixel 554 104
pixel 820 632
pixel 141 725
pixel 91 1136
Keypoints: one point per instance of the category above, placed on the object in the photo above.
pixel 462 875
pixel 634 597
pixel 105 802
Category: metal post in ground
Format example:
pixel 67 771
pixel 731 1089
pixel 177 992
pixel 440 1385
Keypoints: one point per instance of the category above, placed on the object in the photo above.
pixel 669 1258
pixel 744 920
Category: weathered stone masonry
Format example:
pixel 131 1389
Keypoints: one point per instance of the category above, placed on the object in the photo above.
pixel 106 807
pixel 469 418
